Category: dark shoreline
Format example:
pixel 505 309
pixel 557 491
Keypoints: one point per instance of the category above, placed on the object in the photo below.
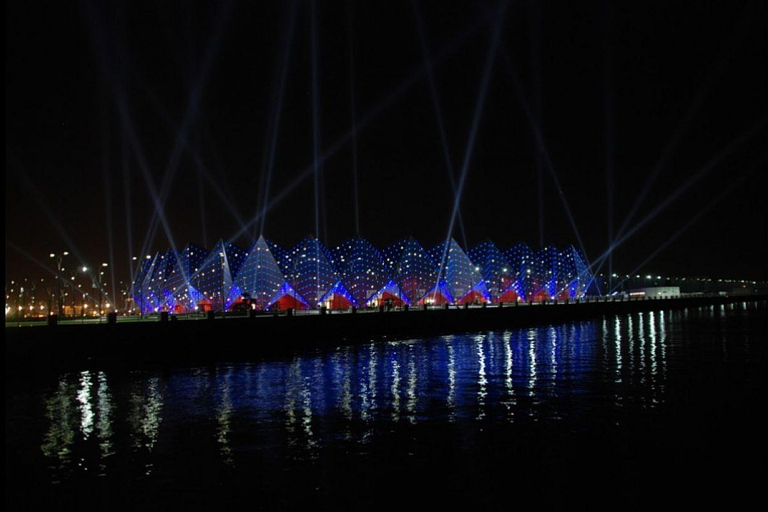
pixel 241 339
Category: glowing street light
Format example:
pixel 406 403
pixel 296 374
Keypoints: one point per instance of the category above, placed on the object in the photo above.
pixel 58 257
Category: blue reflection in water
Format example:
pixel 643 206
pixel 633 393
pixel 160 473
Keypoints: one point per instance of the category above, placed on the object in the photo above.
pixel 354 393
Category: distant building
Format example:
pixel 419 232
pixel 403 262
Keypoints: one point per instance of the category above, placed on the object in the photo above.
pixel 656 292
pixel 355 274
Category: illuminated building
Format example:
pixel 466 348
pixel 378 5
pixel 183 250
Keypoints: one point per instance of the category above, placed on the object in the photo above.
pixel 354 274
pixel 260 279
pixel 459 280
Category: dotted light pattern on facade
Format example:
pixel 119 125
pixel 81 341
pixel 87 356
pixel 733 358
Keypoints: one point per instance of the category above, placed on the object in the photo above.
pixel 154 282
pixel 553 282
pixel 309 270
pixel 260 277
pixel 362 270
pixel 520 257
pixel 411 269
pixel 180 294
pixel 459 281
pixel 355 273
pixel 498 273
pixel 215 277
pixel 575 271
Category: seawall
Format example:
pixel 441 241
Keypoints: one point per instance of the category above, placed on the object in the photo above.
pixel 242 339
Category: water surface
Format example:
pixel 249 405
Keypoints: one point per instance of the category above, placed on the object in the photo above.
pixel 616 412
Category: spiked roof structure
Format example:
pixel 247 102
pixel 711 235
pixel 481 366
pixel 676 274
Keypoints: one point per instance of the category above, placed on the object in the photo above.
pixel 355 273
pixel 181 268
pixel 260 277
pixel 498 273
pixel 361 268
pixel 457 275
pixel 411 268
pixel 215 277
pixel 310 270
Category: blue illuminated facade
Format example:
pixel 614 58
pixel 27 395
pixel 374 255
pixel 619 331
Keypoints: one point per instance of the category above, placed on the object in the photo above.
pixel 215 277
pixel 361 268
pixel 180 294
pixel 459 280
pixel 497 272
pixel 260 278
pixel 410 269
pixel 355 274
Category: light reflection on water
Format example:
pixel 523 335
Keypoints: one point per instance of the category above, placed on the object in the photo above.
pixel 541 374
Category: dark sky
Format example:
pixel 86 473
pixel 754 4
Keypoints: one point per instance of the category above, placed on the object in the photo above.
pixel 106 100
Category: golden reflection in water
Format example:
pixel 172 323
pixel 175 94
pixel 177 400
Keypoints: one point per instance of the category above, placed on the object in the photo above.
pixel 105 409
pixel 84 405
pixel 60 412
pixel 146 404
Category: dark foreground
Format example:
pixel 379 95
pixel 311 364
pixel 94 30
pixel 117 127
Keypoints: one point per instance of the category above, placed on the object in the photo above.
pixel 629 410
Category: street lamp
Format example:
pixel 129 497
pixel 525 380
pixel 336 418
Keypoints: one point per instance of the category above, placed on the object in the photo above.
pixel 84 270
pixel 58 258
pixel 101 295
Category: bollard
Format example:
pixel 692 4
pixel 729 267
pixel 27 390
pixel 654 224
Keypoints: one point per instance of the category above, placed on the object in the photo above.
pixel 424 307
pixel 289 312
pixel 323 310
pixel 466 305
pixel 163 316
pixel 405 307
pixel 210 315
pixel 485 305
pixel 501 304
pixel 354 310
pixel 445 306
pixel 251 313
pixel 111 318
pixel 381 308
pixel 53 320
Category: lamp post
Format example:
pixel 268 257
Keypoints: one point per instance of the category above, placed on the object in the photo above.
pixel 84 270
pixel 101 296
pixel 58 257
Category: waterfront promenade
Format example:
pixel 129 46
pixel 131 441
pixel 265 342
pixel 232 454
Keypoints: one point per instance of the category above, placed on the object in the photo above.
pixel 165 340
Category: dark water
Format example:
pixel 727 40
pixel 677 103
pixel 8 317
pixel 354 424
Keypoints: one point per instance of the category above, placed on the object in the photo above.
pixel 632 411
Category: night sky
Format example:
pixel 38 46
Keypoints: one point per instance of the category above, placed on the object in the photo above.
pixel 107 101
